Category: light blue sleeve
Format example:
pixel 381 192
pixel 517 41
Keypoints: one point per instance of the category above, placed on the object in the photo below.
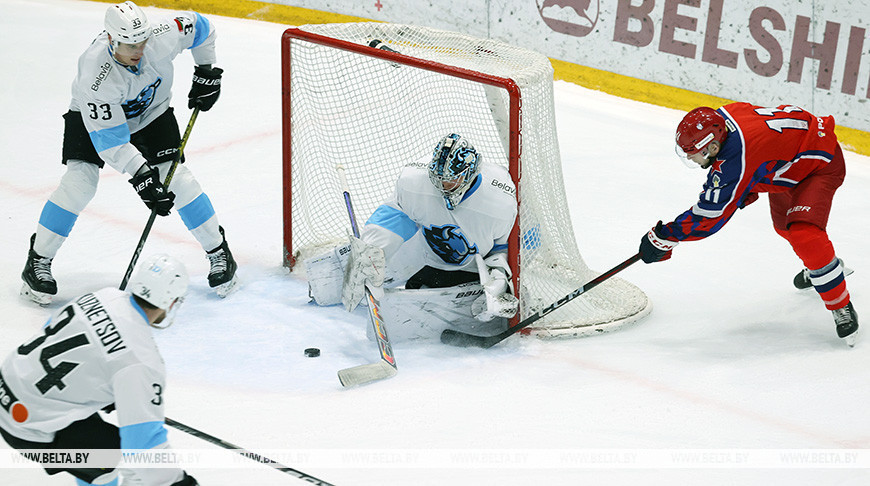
pixel 395 220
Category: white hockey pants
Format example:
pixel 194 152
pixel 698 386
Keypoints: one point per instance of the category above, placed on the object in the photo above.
pixel 79 185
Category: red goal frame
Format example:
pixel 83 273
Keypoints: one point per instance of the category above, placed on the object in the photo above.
pixel 514 125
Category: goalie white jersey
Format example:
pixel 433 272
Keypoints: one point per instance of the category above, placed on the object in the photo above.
pixel 480 223
pixel 94 352
pixel 117 100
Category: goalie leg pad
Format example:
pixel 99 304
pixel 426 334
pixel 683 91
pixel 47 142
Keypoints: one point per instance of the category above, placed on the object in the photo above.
pixel 421 314
pixel 326 275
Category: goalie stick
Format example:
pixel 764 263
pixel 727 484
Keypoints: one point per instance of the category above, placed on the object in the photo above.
pixel 465 340
pixel 153 216
pixel 386 366
pixel 246 453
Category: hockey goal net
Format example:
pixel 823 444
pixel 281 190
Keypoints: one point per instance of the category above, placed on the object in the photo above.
pixel 374 97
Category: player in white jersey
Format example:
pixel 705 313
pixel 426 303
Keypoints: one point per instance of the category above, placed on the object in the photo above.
pixel 97 352
pixel 120 115
pixel 453 214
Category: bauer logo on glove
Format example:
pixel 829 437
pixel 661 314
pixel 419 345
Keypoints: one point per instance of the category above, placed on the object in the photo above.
pixel 206 87
pixel 154 194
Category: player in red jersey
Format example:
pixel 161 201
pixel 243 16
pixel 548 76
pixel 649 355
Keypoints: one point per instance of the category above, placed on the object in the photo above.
pixel 786 152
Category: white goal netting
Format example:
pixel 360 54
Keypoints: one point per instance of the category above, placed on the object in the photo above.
pixel 343 105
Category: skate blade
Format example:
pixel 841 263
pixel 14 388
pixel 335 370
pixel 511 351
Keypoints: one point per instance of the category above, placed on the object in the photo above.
pixel 227 288
pixel 40 298
pixel 851 339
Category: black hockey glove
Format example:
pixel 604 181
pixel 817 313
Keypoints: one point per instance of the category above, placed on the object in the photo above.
pixel 147 184
pixel 187 480
pixel 206 87
pixel 654 248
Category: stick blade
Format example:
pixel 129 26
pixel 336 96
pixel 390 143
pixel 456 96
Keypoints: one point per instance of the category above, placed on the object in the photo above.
pixel 463 340
pixel 367 373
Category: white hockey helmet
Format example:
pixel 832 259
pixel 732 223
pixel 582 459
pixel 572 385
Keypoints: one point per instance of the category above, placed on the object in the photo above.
pixel 454 161
pixel 127 24
pixel 160 280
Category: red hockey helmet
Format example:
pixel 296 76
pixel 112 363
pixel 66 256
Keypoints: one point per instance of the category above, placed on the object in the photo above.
pixel 698 128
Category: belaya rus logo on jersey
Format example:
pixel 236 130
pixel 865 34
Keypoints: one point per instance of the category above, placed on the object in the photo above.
pixel 449 243
pixel 571 17
pixel 135 107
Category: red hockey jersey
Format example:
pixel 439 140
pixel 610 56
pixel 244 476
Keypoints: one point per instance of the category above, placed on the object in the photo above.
pixel 766 150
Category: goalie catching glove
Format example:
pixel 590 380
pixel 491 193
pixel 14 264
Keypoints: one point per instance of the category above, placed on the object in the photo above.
pixel 498 299
pixel 365 266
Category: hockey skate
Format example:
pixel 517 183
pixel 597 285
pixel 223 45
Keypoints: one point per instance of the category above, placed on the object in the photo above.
pixel 802 279
pixel 222 275
pixel 846 320
pixel 39 285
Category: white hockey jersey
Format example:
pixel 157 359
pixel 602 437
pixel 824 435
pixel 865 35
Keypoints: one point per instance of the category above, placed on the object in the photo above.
pixel 480 223
pixel 117 100
pixel 96 351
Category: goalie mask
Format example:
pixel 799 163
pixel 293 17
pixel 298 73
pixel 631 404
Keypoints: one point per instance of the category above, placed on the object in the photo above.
pixel 162 281
pixel 455 164
pixel 127 24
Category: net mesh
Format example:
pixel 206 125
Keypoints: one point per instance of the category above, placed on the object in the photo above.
pixel 373 116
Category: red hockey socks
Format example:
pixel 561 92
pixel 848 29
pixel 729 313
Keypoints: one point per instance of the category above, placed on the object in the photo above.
pixel 812 246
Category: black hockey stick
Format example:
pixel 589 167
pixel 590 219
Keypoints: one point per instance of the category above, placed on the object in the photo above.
pixel 153 216
pixel 246 453
pixel 386 366
pixel 458 338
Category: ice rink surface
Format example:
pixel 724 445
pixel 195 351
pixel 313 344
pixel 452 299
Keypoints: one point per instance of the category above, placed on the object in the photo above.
pixel 736 378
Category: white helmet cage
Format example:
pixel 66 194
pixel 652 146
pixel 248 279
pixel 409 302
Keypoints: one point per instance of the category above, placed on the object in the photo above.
pixel 127 24
pixel 454 158
pixel 160 280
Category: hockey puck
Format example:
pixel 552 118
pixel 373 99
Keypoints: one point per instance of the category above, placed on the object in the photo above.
pixel 312 352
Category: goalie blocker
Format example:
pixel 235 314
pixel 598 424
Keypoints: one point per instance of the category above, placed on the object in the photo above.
pixel 421 313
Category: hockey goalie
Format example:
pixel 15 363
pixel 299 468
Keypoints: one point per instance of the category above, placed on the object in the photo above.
pixel 435 253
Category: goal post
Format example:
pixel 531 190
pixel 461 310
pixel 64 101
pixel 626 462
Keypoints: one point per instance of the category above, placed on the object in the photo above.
pixel 375 97
pixel 513 113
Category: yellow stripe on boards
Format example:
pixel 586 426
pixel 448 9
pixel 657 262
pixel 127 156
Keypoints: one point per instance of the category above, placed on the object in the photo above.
pixel 615 84
pixel 246 9
pixel 658 94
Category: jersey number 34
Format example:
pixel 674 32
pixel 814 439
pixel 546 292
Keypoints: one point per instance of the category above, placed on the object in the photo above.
pixel 54 374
